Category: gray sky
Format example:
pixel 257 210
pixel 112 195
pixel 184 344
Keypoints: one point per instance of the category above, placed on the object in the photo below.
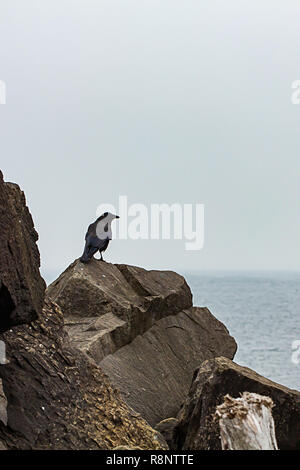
pixel 163 101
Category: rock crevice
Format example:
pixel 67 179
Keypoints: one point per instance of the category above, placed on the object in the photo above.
pixel 52 395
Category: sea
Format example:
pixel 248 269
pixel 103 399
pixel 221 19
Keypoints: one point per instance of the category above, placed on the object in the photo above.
pixel 261 310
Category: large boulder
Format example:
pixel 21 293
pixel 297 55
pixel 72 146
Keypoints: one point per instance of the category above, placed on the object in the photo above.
pixel 141 328
pixel 21 286
pixel 133 294
pixel 106 306
pixel 199 430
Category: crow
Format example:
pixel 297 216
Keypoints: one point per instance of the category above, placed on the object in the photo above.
pixel 98 236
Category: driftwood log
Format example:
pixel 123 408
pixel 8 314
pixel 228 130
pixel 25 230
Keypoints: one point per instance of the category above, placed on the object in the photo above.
pixel 246 423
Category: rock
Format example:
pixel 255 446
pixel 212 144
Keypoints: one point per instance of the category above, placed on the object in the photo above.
pixel 21 286
pixel 154 371
pixel 106 306
pixel 197 429
pixel 3 405
pixel 141 328
pixel 166 429
pixel 96 288
pixel 58 398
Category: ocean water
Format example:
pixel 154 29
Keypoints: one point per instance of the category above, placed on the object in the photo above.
pixel 261 310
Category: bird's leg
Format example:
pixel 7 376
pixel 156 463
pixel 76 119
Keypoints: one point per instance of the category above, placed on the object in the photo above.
pixel 101 257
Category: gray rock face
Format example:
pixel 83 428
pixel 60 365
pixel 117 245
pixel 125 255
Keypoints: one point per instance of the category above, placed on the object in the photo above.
pixel 3 405
pixel 141 328
pixel 198 430
pixel 21 286
pixel 154 371
pixel 106 306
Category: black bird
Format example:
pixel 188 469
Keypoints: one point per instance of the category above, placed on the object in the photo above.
pixel 98 236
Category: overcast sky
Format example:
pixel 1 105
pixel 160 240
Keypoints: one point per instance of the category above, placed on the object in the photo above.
pixel 162 101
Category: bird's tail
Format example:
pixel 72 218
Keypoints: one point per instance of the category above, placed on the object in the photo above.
pixel 88 253
pixel 85 258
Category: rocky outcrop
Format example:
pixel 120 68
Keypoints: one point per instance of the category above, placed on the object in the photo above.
pixel 52 396
pixel 58 398
pixel 141 328
pixel 21 286
pixel 198 430
pixel 134 295
pixel 106 306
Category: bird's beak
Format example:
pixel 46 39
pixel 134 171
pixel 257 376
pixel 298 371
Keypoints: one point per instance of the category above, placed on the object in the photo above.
pixel 117 217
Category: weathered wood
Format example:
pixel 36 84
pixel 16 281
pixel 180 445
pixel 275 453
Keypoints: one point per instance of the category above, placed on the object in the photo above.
pixel 3 405
pixel 246 423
